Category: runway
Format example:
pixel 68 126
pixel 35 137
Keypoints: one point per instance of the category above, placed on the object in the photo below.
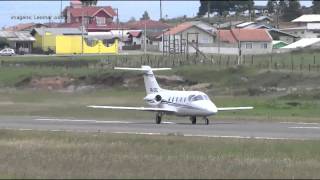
pixel 224 129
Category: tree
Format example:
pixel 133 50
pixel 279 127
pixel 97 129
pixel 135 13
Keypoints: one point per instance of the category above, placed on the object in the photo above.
pixel 271 6
pixel 132 19
pixel 215 6
pixel 292 11
pixel 145 16
pixel 3 43
pixel 316 6
pixel 89 2
pixel 283 5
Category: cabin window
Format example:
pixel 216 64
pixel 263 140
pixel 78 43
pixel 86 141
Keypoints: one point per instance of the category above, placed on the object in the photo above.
pixel 185 99
pixel 176 99
pixel 181 99
pixel 169 99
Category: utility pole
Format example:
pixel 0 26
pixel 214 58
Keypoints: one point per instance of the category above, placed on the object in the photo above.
pixel 145 38
pixel 82 28
pixel 208 6
pixel 61 14
pixel 160 10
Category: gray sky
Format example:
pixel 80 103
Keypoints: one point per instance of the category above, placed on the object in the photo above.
pixel 37 10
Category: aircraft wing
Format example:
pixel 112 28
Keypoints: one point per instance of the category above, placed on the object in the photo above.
pixel 233 108
pixel 134 108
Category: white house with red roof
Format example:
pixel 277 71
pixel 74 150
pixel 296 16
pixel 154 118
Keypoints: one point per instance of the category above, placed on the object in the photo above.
pixel 245 41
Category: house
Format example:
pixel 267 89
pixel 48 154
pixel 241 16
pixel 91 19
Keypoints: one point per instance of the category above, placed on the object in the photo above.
pixel 187 36
pixel 134 40
pixel 45 38
pixel 275 33
pixel 264 20
pixel 304 43
pixel 307 26
pixel 278 44
pixel 20 41
pixel 25 27
pixel 245 41
pixel 94 18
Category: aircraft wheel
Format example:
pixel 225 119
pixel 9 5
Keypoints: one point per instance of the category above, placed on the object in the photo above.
pixel 158 119
pixel 206 121
pixel 193 119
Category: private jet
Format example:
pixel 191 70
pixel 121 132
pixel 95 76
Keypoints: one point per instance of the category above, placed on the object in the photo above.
pixel 191 104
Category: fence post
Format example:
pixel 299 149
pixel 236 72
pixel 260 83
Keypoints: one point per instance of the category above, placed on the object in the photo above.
pixel 251 59
pixel 314 59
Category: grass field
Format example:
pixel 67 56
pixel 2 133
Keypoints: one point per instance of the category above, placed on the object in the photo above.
pixel 31 154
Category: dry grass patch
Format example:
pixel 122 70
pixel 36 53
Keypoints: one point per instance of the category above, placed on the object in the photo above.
pixel 33 154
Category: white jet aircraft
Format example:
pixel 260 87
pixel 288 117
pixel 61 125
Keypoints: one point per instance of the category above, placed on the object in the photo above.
pixel 180 103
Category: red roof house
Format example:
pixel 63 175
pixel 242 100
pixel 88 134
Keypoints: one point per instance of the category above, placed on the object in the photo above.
pixel 249 35
pixel 95 18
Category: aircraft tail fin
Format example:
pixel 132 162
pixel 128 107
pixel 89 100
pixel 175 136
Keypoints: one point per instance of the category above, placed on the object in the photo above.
pixel 150 81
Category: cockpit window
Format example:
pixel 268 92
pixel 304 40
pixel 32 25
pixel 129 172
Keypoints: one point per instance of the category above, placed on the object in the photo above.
pixel 197 98
pixel 190 97
pixel 206 97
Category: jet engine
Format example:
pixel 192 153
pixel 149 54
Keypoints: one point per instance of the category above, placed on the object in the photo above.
pixel 154 99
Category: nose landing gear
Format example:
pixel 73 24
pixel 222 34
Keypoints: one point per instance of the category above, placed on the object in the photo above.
pixel 158 118
pixel 206 120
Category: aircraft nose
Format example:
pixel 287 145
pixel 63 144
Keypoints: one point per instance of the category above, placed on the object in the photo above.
pixel 211 108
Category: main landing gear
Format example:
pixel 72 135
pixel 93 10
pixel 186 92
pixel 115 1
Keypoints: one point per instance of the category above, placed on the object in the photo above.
pixel 158 118
pixel 193 120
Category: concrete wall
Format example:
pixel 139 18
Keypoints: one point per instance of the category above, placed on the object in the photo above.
pixel 72 45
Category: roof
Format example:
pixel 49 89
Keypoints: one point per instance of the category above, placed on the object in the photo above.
pixel 90 11
pixel 23 26
pixel 150 24
pixel 244 24
pixel 106 27
pixel 17 36
pixel 135 33
pixel 57 31
pixel 252 35
pixel 226 36
pixel 261 18
pixel 278 42
pixel 304 42
pixel 307 18
pixel 179 28
pixel 186 25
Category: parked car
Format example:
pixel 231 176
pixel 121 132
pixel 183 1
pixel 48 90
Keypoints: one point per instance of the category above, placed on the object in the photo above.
pixel 7 52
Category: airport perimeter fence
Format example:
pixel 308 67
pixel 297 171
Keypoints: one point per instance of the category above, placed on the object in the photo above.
pixel 289 61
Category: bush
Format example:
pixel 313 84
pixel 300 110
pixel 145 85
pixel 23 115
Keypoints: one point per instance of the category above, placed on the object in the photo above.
pixel 3 43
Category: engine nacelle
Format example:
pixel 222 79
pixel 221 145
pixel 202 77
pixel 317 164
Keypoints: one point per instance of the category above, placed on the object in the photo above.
pixel 153 99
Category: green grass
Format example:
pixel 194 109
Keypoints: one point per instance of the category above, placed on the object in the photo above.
pixel 97 155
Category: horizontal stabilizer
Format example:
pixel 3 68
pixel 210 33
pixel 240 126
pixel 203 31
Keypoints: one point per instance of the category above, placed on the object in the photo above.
pixel 133 108
pixel 233 108
pixel 143 68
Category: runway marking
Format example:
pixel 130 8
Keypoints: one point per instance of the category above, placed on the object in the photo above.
pixel 82 120
pixel 301 127
pixel 166 122
pixel 301 123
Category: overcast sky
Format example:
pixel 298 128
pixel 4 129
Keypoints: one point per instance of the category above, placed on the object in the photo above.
pixel 37 10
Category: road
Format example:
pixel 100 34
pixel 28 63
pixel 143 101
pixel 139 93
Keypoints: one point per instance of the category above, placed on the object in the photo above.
pixel 225 129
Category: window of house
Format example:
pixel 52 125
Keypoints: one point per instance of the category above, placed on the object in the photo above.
pixel 101 20
pixel 264 45
pixel 249 45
